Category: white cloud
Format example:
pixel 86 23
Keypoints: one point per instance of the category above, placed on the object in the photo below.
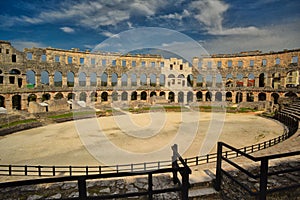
pixel 251 30
pixel 67 29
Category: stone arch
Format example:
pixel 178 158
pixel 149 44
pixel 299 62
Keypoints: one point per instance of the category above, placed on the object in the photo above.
pixel 208 96
pixel 199 96
pixel 262 96
pixel 229 80
pixel 15 76
pixel 2 101
pixel 239 80
pixel 162 93
pixel 275 97
pixel 16 102
pixel 45 77
pixel 57 79
pixel 171 96
pixel 239 97
pixel 104 96
pixel 124 80
pixel 71 96
pixel 93 79
pixel 134 96
pixel 15 72
pixel 143 79
pixel 114 96
pixel 261 80
pixel 58 95
pixel 70 79
pixel 228 96
pixel 46 97
pixel 218 96
pixel 199 82
pixel 250 97
pixel 190 97
pixel 82 96
pixel 133 79
pixel 162 80
pixel 190 80
pixel 180 97
pixel 104 79
pixel 152 80
pixel 290 94
pixel 30 78
pixel 144 95
pixel 114 79
pixel 153 93
pixel 31 97
pixel 94 96
pixel 82 79
pixel 124 96
pixel 251 80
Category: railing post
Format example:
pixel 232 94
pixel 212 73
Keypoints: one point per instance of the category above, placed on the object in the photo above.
pixel 174 163
pixel 263 179
pixel 82 188
pixel 150 185
pixel 217 184
pixel 185 184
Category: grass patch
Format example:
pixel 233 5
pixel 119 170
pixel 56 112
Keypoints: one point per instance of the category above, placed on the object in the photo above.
pixel 25 121
pixel 71 114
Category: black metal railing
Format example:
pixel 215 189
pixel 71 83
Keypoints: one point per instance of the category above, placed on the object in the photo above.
pixel 181 185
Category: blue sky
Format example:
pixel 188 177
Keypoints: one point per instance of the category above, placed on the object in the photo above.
pixel 226 26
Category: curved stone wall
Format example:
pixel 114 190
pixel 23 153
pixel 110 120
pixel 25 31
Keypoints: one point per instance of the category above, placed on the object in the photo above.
pixel 45 74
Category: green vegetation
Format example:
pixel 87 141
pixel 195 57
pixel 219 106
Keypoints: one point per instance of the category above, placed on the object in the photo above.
pixel 72 114
pixel 25 121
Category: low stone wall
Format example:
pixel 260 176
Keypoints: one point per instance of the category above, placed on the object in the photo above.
pixel 232 191
pixel 19 127
pixel 94 188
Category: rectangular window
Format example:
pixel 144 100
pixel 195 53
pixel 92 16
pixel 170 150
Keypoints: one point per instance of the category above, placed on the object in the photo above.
pixel 277 61
pixel 0 50
pixel 113 63
pixel 209 64
pixel 81 60
pixel 1 79
pixel 171 67
pixel 44 58
pixel 152 64
pixel 103 62
pixel 29 56
pixel 56 58
pixel 13 58
pixel 295 59
pixel 264 62
pixel 181 67
pixel 219 64
pixel 162 64
pixel 133 63
pixel 93 61
pixel 70 59
pixel 251 63
pixel 240 63
pixel 123 63
pixel 12 80
pixel 229 63
pixel 143 64
pixel 7 51
pixel 199 65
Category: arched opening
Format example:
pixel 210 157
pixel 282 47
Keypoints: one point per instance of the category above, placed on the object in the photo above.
pixel 239 97
pixel 104 79
pixel 144 95
pixel 162 93
pixel 57 79
pixel 31 97
pixel 218 96
pixel 171 80
pixel 250 97
pixel 190 97
pixel 134 96
pixel 93 79
pixel 251 80
pixel 143 79
pixel 124 80
pixel 82 96
pixel 171 97
pixel 262 80
pixel 46 97
pixel 58 95
pixel 30 79
pixel 180 97
pixel 114 96
pixel 82 79
pixel 16 102
pixel 44 78
pixel 276 80
pixel 153 93
pixel 219 80
pixel 104 96
pixel 229 80
pixel 162 80
pixel 190 80
pixel 114 79
pixel 199 96
pixel 292 79
pixel 133 80
pixel 199 81
pixel 229 96
pixel 94 96
pixel 239 80
pixel 209 80
pixel 208 96
pixel 2 101
pixel 12 79
pixel 275 98
pixel 71 96
pixel 70 79
pixel 152 80
pixel 124 96
pixel 262 96
pixel 291 95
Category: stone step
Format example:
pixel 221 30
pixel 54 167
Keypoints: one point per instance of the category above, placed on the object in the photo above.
pixel 203 193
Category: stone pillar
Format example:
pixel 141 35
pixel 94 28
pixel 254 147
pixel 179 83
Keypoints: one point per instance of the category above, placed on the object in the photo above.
pixel 255 96
pixel 269 81
pixel 108 79
pixel 268 96
pixel 64 81
pixel 76 81
pixel 37 80
pixel 245 81
pixel 119 82
pixel 51 80
pixel 24 101
pixel 234 94
pixel 256 81
pixel 283 82
pixel 88 81
pixel 98 81
pixel 214 81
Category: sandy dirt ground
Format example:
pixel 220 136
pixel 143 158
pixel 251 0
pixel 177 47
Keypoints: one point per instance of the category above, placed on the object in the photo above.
pixel 148 137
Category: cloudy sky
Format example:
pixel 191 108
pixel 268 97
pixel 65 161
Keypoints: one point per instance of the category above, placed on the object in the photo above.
pixel 220 26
